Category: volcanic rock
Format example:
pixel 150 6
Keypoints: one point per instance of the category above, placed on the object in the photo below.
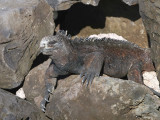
pixel 22 25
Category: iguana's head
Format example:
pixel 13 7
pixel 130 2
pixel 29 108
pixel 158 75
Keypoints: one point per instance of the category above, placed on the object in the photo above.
pixel 50 45
pixel 58 45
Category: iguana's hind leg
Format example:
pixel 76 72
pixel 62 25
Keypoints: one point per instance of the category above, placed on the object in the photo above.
pixel 50 82
pixel 135 74
pixel 93 63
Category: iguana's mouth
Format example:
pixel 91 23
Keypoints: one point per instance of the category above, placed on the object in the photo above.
pixel 46 51
pixel 44 48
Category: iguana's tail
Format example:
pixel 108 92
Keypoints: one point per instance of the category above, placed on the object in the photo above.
pixel 154 92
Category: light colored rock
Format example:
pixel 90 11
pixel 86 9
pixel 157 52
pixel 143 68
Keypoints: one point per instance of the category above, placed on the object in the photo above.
pixel 20 93
pixel 66 4
pixel 150 79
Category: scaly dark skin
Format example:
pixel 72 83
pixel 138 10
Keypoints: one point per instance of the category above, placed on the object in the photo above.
pixel 89 57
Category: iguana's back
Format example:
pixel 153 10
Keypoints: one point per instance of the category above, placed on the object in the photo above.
pixel 106 45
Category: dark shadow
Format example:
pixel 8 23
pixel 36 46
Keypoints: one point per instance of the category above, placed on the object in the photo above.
pixel 49 117
pixel 39 60
pixel 80 15
pixel 149 41
pixel 28 118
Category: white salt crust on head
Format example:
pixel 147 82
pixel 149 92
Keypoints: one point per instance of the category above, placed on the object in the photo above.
pixel 109 35
pixel 44 42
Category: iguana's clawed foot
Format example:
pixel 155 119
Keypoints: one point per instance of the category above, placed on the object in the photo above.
pixel 43 105
pixel 88 76
pixel 49 90
pixel 44 101
pixel 92 67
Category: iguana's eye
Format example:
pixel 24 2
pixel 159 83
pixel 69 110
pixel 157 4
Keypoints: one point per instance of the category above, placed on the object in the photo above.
pixel 49 45
pixel 52 42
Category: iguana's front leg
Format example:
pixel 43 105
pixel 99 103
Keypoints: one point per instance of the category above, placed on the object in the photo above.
pixel 93 63
pixel 51 72
pixel 135 73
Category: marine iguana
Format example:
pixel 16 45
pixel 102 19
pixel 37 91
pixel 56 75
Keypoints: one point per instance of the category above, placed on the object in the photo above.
pixel 91 56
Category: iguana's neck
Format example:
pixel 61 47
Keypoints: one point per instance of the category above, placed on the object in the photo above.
pixel 65 54
pixel 64 58
pixel 68 47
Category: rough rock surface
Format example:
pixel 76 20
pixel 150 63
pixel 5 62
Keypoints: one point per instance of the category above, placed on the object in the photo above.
pixel 106 99
pixel 150 13
pixel 65 4
pixel 14 108
pixel 110 16
pixel 34 83
pixel 22 25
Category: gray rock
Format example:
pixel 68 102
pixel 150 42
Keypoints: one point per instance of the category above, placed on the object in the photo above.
pixel 106 99
pixel 150 12
pixel 65 4
pixel 34 83
pixel 22 25
pixel 14 108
